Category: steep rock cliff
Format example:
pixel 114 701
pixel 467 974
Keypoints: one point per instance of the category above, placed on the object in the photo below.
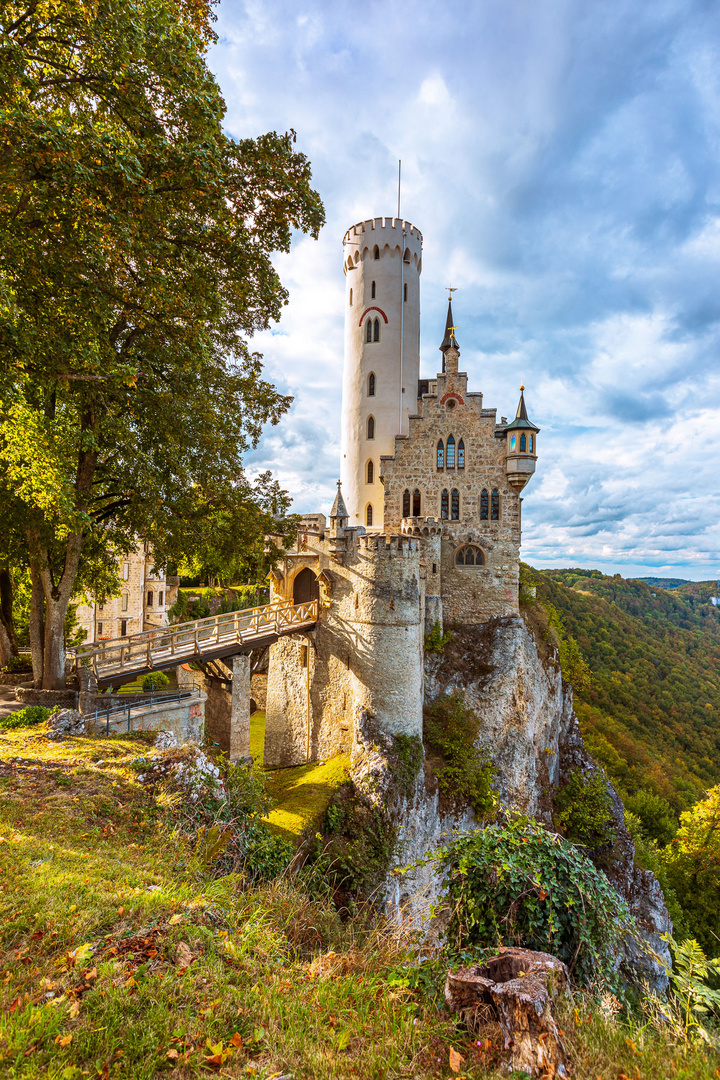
pixel 529 729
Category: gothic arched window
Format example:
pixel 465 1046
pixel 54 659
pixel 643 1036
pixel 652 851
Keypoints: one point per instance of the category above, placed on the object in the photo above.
pixel 370 473
pixel 455 505
pixel 531 444
pixel 495 505
pixel 368 514
pixel 371 427
pixel 368 330
pixel 376 331
pixel 461 455
pixel 372 291
pixel 371 384
pixel 440 454
pixel 469 555
pixel 484 505
pixel 376 252
pixel 450 452
pixel 523 444
pixel 416 503
pixel 406 503
pixel 444 504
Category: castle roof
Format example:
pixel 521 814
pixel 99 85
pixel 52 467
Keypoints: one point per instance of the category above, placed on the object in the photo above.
pixel 339 510
pixel 521 417
pixel 449 341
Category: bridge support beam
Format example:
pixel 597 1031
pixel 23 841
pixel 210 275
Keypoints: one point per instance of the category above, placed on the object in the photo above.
pixel 240 709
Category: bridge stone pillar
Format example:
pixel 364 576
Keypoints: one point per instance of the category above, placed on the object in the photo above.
pixel 240 709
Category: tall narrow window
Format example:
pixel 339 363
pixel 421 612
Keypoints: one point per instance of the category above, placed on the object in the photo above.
pixel 495 505
pixel 450 452
pixel 405 292
pixel 444 504
pixel 372 290
pixel 368 330
pixel 440 454
pixel 531 444
pixel 371 384
pixel 150 599
pixel 523 444
pixel 416 503
pixel 99 629
pixel 370 473
pixel 126 570
pixel 376 331
pixel 160 599
pixel 461 455
pixel 125 601
pixel 350 298
pixel 406 503
pixel 484 505
pixel 368 515
pixel 376 252
pixel 123 628
pixel 455 505
pixel 371 427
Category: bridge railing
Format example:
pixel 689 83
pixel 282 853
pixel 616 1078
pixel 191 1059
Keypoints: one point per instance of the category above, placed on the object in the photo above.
pixel 186 640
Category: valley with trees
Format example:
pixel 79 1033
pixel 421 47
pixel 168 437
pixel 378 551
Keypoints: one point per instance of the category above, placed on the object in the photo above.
pixel 169 910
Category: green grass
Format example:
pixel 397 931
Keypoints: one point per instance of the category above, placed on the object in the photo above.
pixel 302 793
pixel 121 960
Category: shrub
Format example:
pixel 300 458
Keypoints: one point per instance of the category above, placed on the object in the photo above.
pixel 408 754
pixel 658 819
pixel 518 884
pixel 582 810
pixel 355 844
pixel 30 716
pixel 436 640
pixel 17 663
pixel 154 680
pixel 451 729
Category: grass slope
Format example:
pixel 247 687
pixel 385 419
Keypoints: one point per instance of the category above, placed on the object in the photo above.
pixel 652 712
pixel 302 794
pixel 121 960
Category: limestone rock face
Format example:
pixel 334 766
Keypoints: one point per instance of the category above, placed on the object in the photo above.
pixel 529 729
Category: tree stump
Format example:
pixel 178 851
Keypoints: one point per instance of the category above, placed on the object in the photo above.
pixel 516 987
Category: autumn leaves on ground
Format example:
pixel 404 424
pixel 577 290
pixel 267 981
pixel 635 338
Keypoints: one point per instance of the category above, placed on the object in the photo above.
pixel 123 958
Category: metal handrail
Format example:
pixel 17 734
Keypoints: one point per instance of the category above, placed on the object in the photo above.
pixel 135 706
pixel 187 640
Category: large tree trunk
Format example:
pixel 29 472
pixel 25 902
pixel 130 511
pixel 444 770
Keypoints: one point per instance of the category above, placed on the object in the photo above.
pixel 57 599
pixel 37 623
pixel 8 642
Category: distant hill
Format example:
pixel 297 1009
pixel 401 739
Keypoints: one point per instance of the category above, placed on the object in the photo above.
pixel 652 712
pixel 663 582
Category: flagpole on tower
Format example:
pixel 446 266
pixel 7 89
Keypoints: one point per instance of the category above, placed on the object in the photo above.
pixel 399 176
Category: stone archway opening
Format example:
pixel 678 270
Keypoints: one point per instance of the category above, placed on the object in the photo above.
pixel 305 587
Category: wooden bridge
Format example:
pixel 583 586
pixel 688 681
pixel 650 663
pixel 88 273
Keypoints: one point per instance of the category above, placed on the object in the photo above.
pixel 124 659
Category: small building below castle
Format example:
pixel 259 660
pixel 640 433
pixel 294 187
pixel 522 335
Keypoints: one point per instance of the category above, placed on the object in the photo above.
pixel 146 594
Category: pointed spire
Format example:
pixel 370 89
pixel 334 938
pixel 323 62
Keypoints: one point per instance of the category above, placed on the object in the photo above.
pixel 449 341
pixel 339 510
pixel 521 417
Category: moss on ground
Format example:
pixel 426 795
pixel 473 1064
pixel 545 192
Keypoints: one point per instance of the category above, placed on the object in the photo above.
pixel 303 793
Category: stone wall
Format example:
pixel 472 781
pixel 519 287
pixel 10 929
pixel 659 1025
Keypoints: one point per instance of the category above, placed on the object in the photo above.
pixel 185 719
pixel 258 689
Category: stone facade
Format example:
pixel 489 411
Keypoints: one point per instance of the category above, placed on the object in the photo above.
pixel 145 596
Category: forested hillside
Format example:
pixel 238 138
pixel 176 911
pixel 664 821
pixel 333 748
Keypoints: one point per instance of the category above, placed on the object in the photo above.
pixel 650 711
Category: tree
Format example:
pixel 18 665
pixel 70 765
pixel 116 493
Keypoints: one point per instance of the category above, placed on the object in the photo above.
pixel 693 868
pixel 135 259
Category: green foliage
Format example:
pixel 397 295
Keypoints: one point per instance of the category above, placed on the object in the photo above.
pixel 659 822
pixel 30 716
pixel 518 884
pixel 450 730
pixel 689 978
pixel 651 714
pixel 437 639
pixel 17 663
pixel 692 862
pixel 582 810
pixel 408 759
pixel 355 844
pixel 185 609
pixel 650 856
pixel 200 608
pixel 154 680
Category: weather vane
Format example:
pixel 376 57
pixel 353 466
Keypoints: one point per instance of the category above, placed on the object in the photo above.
pixel 451 291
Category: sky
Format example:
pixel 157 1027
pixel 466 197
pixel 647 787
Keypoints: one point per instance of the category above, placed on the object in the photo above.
pixel 562 162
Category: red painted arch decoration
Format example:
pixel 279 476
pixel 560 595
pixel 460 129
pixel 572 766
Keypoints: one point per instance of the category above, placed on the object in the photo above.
pixel 451 394
pixel 372 309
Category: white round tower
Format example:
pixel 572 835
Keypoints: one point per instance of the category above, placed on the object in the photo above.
pixel 382 264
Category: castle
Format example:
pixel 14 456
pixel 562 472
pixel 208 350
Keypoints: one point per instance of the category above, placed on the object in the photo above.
pixel 425 528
